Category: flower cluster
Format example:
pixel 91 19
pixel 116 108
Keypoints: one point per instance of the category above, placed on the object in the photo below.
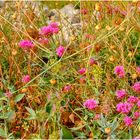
pixel 26 78
pixel 60 50
pixel 136 87
pixel 26 44
pixel 124 108
pixel 121 94
pixel 50 29
pixel 119 71
pixel 90 104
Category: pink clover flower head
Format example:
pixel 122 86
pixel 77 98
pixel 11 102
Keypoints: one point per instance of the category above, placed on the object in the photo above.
pixel 46 30
pixel 138 70
pixel 26 44
pixel 138 103
pixel 92 61
pixel 119 70
pixel 136 138
pixel 132 99
pixel 8 94
pixel 50 29
pixel 128 121
pixel 90 104
pixel 82 71
pixel 26 78
pixel 43 41
pixel 60 50
pixel 124 108
pixel 136 115
pixel 121 94
pixel 84 11
pixel 136 87
pixel 67 88
pixel 54 25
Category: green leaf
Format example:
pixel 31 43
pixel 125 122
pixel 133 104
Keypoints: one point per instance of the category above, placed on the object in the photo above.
pixel 2 133
pixel 65 133
pixel 49 107
pixel 32 113
pixel 11 115
pixel 19 97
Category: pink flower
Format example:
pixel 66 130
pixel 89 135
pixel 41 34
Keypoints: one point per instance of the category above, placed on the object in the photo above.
pixel 121 94
pixel 136 138
pixel 26 44
pixel 128 121
pixel 97 116
pixel 83 79
pixel 132 99
pixel 26 79
pixel 50 29
pixel 60 50
pixel 67 88
pixel 43 41
pixel 84 11
pixel 82 71
pixel 136 115
pixel 138 103
pixel 54 25
pixel 46 30
pixel 138 70
pixel 8 94
pixel 136 87
pixel 124 108
pixel 92 61
pixel 90 104
pixel 119 70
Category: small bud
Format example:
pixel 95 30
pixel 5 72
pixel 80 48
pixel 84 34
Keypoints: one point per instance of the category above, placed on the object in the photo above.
pixel 134 76
pixel 112 59
pixel 98 27
pixel 14 52
pixel 108 27
pixel 98 7
pixel 53 81
pixel 24 90
pixel 130 54
pixel 107 130
pixel 112 47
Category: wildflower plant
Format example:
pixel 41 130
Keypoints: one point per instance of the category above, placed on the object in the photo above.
pixel 71 71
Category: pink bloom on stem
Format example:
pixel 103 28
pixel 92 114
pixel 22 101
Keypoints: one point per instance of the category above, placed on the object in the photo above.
pixel 136 87
pixel 121 94
pixel 26 78
pixel 97 116
pixel 8 94
pixel 67 88
pixel 83 79
pixel 138 70
pixel 124 108
pixel 128 121
pixel 46 30
pixel 82 71
pixel 92 61
pixel 84 11
pixel 132 99
pixel 60 50
pixel 136 138
pixel 26 44
pixel 54 25
pixel 43 41
pixel 138 103
pixel 136 115
pixel 90 104
pixel 50 29
pixel 119 70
